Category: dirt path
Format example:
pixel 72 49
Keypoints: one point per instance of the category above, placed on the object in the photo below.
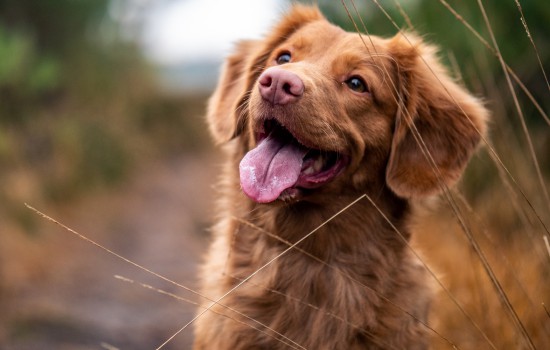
pixel 158 220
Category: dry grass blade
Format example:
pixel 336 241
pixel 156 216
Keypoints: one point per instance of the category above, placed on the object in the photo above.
pixel 342 273
pixel 512 312
pixel 445 289
pixel 524 22
pixel 266 265
pixel 492 241
pixel 495 53
pixel 160 291
pixel 522 119
pixel 179 298
pixel 466 229
pixel 547 244
pixel 518 107
pixel 428 156
pixel 425 152
pixel 313 307
pixel 406 17
pixel 487 267
pixel 492 151
pixel 496 159
pixel 81 236
pixel 108 346
pixel 457 73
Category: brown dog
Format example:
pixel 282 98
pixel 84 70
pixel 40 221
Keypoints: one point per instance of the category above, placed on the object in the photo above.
pixel 314 117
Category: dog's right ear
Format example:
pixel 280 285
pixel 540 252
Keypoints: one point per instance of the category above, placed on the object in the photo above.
pixel 226 114
pixel 222 114
pixel 438 127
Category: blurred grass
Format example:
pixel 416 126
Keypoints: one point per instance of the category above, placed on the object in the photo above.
pixel 521 269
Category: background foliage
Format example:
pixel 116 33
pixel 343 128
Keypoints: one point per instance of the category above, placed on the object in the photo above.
pixel 78 104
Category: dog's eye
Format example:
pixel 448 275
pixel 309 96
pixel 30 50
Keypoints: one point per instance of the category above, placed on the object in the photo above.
pixel 357 84
pixel 283 58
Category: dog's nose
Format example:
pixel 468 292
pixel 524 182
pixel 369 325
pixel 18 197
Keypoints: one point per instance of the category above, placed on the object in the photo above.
pixel 280 87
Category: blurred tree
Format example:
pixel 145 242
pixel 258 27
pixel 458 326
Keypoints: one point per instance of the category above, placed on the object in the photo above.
pixel 37 41
pixel 78 103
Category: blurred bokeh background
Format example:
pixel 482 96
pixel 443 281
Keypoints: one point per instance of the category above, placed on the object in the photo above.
pixel 101 127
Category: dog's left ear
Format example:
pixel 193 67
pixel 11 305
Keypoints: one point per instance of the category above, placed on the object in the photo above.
pixel 438 125
pixel 222 114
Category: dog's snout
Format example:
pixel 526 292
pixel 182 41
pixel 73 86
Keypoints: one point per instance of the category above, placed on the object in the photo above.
pixel 279 86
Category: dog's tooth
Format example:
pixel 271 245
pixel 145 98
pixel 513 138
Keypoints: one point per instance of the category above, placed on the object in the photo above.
pixel 318 165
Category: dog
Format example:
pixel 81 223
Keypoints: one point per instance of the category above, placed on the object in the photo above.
pixel 329 137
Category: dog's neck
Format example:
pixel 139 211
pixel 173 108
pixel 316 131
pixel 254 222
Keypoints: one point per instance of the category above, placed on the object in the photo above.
pixel 376 218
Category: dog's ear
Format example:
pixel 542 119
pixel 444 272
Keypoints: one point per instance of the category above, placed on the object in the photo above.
pixel 438 125
pixel 223 110
pixel 226 113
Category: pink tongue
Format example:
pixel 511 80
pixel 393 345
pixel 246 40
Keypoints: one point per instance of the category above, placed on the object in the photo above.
pixel 270 168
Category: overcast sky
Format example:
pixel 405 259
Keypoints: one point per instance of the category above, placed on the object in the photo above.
pixel 189 30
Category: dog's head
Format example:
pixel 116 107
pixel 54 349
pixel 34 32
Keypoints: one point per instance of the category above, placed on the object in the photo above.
pixel 319 110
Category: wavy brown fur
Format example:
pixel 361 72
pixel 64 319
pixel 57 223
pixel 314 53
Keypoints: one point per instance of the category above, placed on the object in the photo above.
pixel 354 284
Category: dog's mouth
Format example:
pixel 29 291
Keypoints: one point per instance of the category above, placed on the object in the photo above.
pixel 281 167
